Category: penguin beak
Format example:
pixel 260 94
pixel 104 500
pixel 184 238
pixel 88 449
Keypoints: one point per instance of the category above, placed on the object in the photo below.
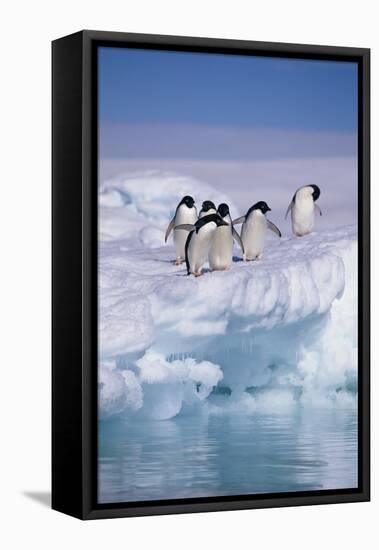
pixel 224 223
pixel 268 209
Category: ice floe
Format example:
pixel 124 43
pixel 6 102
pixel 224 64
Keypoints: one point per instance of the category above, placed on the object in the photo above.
pixel 272 333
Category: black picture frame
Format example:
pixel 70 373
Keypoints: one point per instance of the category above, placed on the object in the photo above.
pixel 74 273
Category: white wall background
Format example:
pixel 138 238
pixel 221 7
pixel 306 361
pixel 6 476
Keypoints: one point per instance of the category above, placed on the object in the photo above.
pixel 27 29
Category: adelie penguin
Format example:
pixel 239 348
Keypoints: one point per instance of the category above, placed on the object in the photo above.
pixel 221 249
pixel 254 229
pixel 199 241
pixel 185 213
pixel 303 207
pixel 208 207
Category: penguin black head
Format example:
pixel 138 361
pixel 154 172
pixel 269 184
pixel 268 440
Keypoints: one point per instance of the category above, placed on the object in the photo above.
pixel 316 192
pixel 223 209
pixel 188 201
pixel 261 205
pixel 207 205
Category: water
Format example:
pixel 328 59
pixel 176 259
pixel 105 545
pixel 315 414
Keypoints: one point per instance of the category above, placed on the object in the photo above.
pixel 199 456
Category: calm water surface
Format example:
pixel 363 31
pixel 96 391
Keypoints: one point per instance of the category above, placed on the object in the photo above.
pixel 226 455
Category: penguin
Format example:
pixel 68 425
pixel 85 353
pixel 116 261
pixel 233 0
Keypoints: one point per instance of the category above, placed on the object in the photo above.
pixel 221 249
pixel 303 207
pixel 199 241
pixel 254 228
pixel 185 213
pixel 208 207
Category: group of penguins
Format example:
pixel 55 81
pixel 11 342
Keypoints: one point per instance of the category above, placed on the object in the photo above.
pixel 209 236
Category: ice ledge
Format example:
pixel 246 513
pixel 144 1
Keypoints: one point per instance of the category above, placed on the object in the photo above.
pixel 143 296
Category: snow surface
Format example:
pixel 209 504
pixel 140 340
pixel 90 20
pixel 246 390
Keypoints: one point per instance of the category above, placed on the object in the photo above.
pixel 265 335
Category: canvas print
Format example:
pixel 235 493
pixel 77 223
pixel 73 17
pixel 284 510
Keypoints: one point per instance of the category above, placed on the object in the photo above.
pixel 227 275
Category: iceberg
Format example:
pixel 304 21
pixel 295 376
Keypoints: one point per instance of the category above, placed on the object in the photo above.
pixel 266 335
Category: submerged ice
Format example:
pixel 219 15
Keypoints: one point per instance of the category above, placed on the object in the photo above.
pixel 265 335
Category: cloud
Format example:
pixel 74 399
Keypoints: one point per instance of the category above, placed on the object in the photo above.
pixel 201 142
pixel 272 180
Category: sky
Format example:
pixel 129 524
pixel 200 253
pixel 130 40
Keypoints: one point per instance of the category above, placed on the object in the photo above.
pixel 145 86
pixel 231 118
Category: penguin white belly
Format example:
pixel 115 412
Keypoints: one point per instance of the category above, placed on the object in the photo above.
pixel 198 248
pixel 302 215
pixel 253 236
pixel 184 215
pixel 221 249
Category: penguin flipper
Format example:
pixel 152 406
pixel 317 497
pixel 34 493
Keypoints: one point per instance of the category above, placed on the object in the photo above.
pixel 273 228
pixel 289 208
pixel 186 227
pixel 238 240
pixel 291 204
pixel 169 229
pixel 318 209
pixel 239 220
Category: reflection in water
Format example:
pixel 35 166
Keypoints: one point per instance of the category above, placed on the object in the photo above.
pixel 201 456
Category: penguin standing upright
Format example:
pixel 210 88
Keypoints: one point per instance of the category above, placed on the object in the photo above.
pixel 199 241
pixel 208 207
pixel 185 213
pixel 254 229
pixel 303 207
pixel 221 249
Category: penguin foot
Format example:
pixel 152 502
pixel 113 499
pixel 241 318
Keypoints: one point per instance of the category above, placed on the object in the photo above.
pixel 178 261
